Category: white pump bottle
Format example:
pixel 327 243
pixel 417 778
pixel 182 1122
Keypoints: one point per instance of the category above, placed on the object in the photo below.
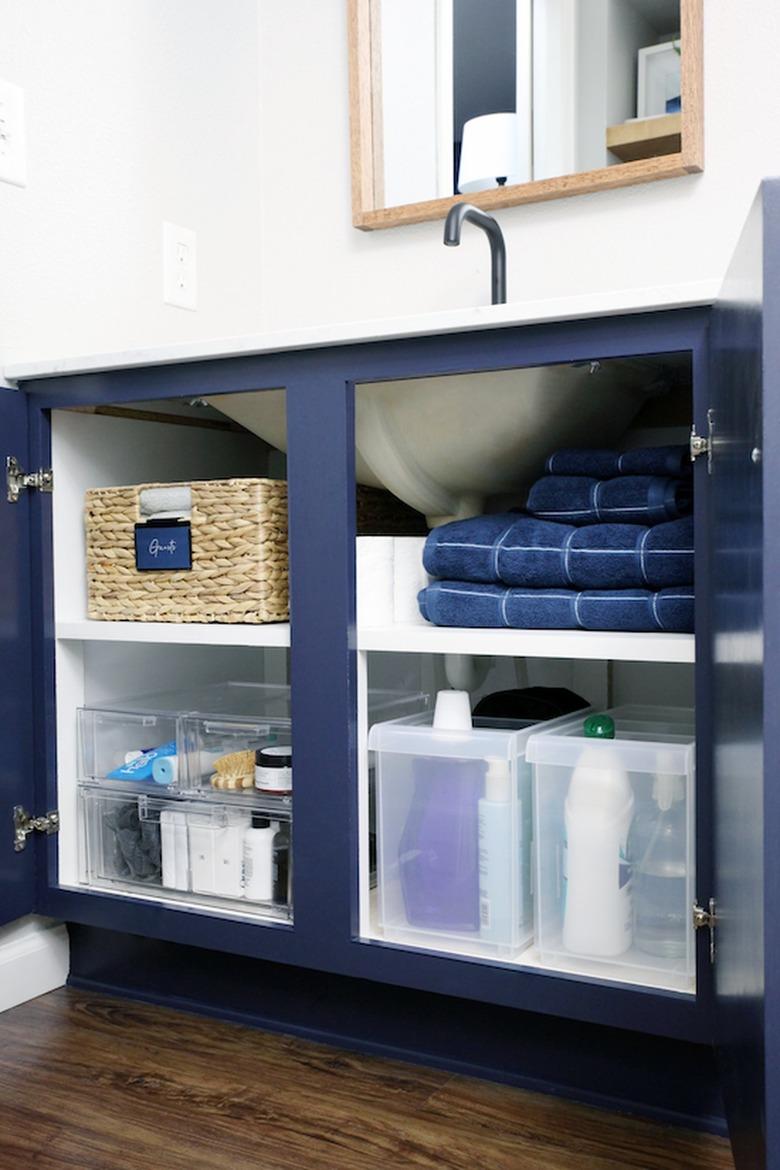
pixel 597 919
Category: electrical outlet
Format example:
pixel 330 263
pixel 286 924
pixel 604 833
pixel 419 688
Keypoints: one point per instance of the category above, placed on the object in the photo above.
pixel 13 146
pixel 180 266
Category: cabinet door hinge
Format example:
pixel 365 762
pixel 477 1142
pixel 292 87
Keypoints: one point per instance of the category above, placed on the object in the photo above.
pixel 706 920
pixel 18 481
pixel 25 824
pixel 701 445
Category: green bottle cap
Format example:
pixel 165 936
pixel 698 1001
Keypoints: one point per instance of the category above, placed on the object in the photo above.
pixel 599 727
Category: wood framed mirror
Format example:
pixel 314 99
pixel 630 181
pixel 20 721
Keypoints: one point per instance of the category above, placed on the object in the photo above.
pixel 503 102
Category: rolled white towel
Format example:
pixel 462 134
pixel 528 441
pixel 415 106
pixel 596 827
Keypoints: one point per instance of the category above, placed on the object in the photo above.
pixel 166 502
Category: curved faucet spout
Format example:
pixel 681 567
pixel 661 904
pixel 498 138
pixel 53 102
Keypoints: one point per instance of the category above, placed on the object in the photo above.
pixel 453 225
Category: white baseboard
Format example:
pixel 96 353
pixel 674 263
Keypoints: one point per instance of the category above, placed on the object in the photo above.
pixel 34 959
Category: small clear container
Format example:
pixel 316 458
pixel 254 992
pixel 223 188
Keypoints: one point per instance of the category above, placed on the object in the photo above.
pixel 110 740
pixel 454 836
pixel 614 846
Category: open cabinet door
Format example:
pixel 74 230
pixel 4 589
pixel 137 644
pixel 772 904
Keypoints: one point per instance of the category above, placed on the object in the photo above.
pixel 16 688
pixel 743 719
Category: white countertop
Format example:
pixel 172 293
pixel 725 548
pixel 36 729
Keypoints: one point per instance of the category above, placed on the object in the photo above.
pixel 652 299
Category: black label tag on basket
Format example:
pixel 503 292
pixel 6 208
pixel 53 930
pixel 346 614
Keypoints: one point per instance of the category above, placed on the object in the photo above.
pixel 163 545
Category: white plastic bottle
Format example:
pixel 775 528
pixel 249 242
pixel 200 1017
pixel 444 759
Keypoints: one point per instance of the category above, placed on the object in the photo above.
pixel 496 885
pixel 259 859
pixel 597 917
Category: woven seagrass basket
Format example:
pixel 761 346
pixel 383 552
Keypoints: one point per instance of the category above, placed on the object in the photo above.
pixel 239 556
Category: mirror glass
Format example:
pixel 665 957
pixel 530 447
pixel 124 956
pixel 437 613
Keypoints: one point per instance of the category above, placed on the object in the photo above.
pixel 468 95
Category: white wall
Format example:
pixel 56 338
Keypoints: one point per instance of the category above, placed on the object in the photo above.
pixel 628 32
pixel 677 230
pixel 591 112
pixel 609 34
pixel 555 77
pixel 409 102
pixel 137 111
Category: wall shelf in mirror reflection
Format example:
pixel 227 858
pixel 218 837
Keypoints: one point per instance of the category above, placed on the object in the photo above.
pixel 549 98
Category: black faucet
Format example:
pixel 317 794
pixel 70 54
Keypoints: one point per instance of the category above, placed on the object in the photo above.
pixel 452 229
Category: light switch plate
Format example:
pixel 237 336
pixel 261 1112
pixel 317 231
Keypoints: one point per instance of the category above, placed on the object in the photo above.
pixel 13 145
pixel 180 266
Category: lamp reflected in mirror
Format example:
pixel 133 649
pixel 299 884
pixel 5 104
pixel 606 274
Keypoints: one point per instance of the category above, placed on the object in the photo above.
pixel 491 153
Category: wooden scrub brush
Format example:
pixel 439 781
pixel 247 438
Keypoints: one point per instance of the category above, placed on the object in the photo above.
pixel 236 770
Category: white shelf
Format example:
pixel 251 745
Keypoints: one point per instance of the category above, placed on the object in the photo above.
pixel 415 639
pixel 529 960
pixel 579 644
pixel 177 633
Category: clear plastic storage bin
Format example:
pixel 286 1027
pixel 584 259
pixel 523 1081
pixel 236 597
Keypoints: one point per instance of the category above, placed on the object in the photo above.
pixel 454 836
pixel 614 844
pixel 201 851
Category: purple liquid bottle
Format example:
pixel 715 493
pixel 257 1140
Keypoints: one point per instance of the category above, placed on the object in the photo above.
pixel 439 848
pixel 438 852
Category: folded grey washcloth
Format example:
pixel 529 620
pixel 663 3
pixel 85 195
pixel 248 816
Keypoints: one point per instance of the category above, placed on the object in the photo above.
pixel 464 603
pixel 136 843
pixel 165 501
pixel 511 549
pixel 602 464
pixel 629 499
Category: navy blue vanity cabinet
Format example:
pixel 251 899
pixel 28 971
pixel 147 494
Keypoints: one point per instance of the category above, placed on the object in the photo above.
pixel 735 350
pixel 743 696
pixel 17 868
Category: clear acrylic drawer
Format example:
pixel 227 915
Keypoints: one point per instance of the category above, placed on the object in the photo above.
pixel 110 741
pixel 203 851
pixel 614 845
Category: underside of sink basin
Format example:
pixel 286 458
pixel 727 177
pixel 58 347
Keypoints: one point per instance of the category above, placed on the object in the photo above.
pixel 452 446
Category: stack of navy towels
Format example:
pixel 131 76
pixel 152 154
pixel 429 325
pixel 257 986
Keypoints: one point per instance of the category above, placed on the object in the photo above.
pixel 605 543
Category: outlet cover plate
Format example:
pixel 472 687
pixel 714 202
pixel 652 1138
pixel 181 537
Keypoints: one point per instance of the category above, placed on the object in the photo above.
pixel 13 145
pixel 180 266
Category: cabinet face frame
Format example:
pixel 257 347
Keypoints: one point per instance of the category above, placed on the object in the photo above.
pixel 368 214
pixel 320 396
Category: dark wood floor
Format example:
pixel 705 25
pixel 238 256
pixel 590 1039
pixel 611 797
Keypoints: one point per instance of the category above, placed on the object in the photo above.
pixel 93 1083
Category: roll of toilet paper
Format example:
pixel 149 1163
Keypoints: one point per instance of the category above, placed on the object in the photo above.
pixel 165 770
pixel 374 580
pixel 409 577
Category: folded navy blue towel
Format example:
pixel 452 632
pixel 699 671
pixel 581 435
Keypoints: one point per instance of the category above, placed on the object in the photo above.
pixel 464 603
pixel 630 499
pixel 521 550
pixel 601 464
pixel 468 550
